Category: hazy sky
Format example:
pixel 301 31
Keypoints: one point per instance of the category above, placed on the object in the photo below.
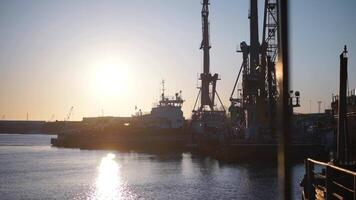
pixel 58 54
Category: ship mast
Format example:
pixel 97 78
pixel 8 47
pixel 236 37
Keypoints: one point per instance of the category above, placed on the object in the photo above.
pixel 163 90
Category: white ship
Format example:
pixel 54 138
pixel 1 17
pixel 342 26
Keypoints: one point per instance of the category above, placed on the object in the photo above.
pixel 167 114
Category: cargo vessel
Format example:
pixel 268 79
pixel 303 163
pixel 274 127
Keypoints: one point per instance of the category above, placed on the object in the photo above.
pixel 161 130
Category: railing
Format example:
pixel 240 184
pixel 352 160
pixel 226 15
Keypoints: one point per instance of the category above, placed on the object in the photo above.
pixel 349 115
pixel 331 182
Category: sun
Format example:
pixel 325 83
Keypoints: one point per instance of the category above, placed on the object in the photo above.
pixel 111 79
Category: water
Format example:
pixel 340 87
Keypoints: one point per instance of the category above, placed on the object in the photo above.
pixel 31 169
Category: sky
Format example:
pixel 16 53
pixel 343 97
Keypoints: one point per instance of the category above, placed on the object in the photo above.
pixel 106 57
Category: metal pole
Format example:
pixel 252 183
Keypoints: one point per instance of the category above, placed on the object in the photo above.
pixel 342 136
pixel 354 187
pixel 237 79
pixel 284 115
pixel 254 43
pixel 310 179
pixel 329 182
pixel 319 106
pixel 310 105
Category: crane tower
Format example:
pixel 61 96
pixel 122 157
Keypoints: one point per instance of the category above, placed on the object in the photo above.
pixel 254 109
pixel 207 113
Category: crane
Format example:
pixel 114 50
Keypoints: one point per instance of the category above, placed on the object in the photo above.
pixel 256 104
pixel 69 114
pixel 207 115
pixel 207 90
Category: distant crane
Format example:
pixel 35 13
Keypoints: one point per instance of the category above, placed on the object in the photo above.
pixel 69 114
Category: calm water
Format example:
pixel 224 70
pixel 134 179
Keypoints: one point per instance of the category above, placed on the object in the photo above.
pixel 31 169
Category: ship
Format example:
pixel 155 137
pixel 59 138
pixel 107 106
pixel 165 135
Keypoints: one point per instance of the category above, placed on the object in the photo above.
pixel 161 130
pixel 166 114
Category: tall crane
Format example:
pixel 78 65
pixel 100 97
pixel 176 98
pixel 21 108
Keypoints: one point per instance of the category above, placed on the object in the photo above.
pixel 208 81
pixel 207 96
pixel 255 107
pixel 207 113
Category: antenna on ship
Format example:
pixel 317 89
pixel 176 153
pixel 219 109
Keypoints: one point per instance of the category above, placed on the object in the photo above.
pixel 163 89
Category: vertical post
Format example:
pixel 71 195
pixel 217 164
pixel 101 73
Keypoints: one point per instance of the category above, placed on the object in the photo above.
pixel 307 179
pixel 342 136
pixel 254 43
pixel 310 178
pixel 310 106
pixel 354 187
pixel 329 184
pixel 284 114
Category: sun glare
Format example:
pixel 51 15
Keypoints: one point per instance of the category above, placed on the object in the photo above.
pixel 108 182
pixel 111 79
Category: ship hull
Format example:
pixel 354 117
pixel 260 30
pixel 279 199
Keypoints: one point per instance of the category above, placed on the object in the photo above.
pixel 159 141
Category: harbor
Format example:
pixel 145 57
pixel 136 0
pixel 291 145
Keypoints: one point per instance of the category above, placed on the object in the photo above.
pixel 244 128
pixel 246 131
pixel 336 179
pixel 160 177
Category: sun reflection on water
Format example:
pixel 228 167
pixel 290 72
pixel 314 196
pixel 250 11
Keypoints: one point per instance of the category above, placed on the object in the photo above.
pixel 108 183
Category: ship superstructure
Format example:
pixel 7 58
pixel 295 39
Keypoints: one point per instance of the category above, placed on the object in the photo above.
pixel 169 111
pixel 166 114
